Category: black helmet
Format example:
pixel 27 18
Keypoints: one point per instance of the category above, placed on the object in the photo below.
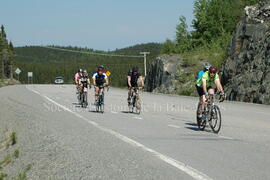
pixel 135 69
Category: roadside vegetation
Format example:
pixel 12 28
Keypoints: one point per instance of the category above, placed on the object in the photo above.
pixel 46 64
pixel 212 29
pixel 10 156
pixel 213 26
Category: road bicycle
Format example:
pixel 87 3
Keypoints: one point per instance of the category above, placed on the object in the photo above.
pixel 83 96
pixel 135 101
pixel 100 99
pixel 211 114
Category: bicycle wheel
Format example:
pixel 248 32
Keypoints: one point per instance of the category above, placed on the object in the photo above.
pixel 85 100
pixel 215 120
pixel 138 106
pixel 200 122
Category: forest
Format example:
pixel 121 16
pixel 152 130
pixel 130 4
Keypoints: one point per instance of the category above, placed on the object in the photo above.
pixel 6 55
pixel 46 63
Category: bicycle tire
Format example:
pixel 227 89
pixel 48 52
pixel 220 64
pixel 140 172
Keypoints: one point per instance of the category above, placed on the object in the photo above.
pixel 201 124
pixel 138 106
pixel 217 120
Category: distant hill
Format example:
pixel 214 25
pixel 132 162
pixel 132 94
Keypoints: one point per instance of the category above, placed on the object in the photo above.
pixel 48 63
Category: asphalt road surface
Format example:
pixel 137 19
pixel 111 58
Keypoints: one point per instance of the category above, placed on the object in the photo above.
pixel 64 141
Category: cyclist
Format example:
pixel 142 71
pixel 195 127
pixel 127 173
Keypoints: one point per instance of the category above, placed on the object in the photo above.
pixel 132 80
pixel 99 79
pixel 205 84
pixel 77 78
pixel 84 81
pixel 206 68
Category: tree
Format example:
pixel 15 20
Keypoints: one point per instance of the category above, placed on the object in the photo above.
pixel 182 35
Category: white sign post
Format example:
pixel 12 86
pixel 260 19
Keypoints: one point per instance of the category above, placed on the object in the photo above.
pixel 18 72
pixel 30 76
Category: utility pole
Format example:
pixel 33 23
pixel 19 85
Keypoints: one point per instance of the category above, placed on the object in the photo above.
pixel 144 56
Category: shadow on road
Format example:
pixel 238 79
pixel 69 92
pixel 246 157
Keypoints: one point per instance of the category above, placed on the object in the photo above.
pixel 125 112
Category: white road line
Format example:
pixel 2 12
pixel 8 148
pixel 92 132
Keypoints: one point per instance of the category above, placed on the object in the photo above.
pixel 179 165
pixel 174 126
pixel 137 118
pixel 114 112
pixel 224 137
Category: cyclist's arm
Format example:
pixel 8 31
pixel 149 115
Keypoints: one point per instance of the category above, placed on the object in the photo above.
pixel 204 86
pixel 107 81
pixel 88 81
pixel 129 79
pixel 142 81
pixel 219 86
pixel 94 81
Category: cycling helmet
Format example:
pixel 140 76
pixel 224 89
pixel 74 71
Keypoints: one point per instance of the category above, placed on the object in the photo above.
pixel 213 69
pixel 80 70
pixel 207 66
pixel 85 71
pixel 135 69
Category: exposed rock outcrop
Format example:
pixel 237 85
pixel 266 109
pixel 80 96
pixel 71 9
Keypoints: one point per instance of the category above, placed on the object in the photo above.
pixel 246 72
pixel 167 74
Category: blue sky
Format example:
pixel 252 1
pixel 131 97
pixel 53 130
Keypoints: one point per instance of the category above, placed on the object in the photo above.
pixel 98 24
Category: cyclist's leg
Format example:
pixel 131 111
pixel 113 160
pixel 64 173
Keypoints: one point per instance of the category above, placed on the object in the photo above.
pixel 211 92
pixel 96 93
pixel 201 100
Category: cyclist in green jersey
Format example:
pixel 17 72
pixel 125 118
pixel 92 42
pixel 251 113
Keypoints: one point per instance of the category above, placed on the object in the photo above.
pixel 205 84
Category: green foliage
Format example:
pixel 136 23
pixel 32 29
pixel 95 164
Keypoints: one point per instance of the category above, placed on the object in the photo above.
pixel 213 25
pixel 16 153
pixel 3 176
pixel 6 54
pixel 13 138
pixel 46 64
pixel 182 36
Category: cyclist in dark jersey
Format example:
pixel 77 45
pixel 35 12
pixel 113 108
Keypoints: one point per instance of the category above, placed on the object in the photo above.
pixel 84 81
pixel 100 79
pixel 132 80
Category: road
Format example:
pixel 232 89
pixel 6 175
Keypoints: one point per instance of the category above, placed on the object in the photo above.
pixel 64 141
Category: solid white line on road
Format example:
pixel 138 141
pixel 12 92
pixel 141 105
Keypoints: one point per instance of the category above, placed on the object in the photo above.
pixel 179 165
pixel 174 126
pixel 114 112
pixel 137 118
pixel 224 137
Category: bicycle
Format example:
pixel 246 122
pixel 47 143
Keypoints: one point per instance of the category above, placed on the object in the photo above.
pixel 100 100
pixel 135 101
pixel 211 115
pixel 83 96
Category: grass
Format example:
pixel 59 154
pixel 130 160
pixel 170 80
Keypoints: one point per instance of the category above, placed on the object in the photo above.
pixel 3 176
pixel 6 161
pixel 22 175
pixel 13 138
pixel 16 153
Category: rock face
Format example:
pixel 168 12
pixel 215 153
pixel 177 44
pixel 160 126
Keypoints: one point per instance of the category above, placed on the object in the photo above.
pixel 167 75
pixel 246 72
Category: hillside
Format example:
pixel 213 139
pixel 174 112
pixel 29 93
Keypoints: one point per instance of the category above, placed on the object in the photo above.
pixel 47 63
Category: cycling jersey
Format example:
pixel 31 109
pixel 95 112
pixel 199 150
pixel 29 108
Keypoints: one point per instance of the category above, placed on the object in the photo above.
pixel 100 79
pixel 200 74
pixel 77 76
pixel 209 81
pixel 84 81
pixel 134 76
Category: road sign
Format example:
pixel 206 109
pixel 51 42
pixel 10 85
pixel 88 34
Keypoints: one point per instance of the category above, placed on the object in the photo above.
pixel 18 71
pixel 108 73
pixel 30 74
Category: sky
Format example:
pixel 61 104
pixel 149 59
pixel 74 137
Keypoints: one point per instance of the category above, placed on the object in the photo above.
pixel 97 24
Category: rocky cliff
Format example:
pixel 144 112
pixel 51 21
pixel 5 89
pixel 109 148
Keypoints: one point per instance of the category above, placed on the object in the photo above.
pixel 246 72
pixel 169 74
